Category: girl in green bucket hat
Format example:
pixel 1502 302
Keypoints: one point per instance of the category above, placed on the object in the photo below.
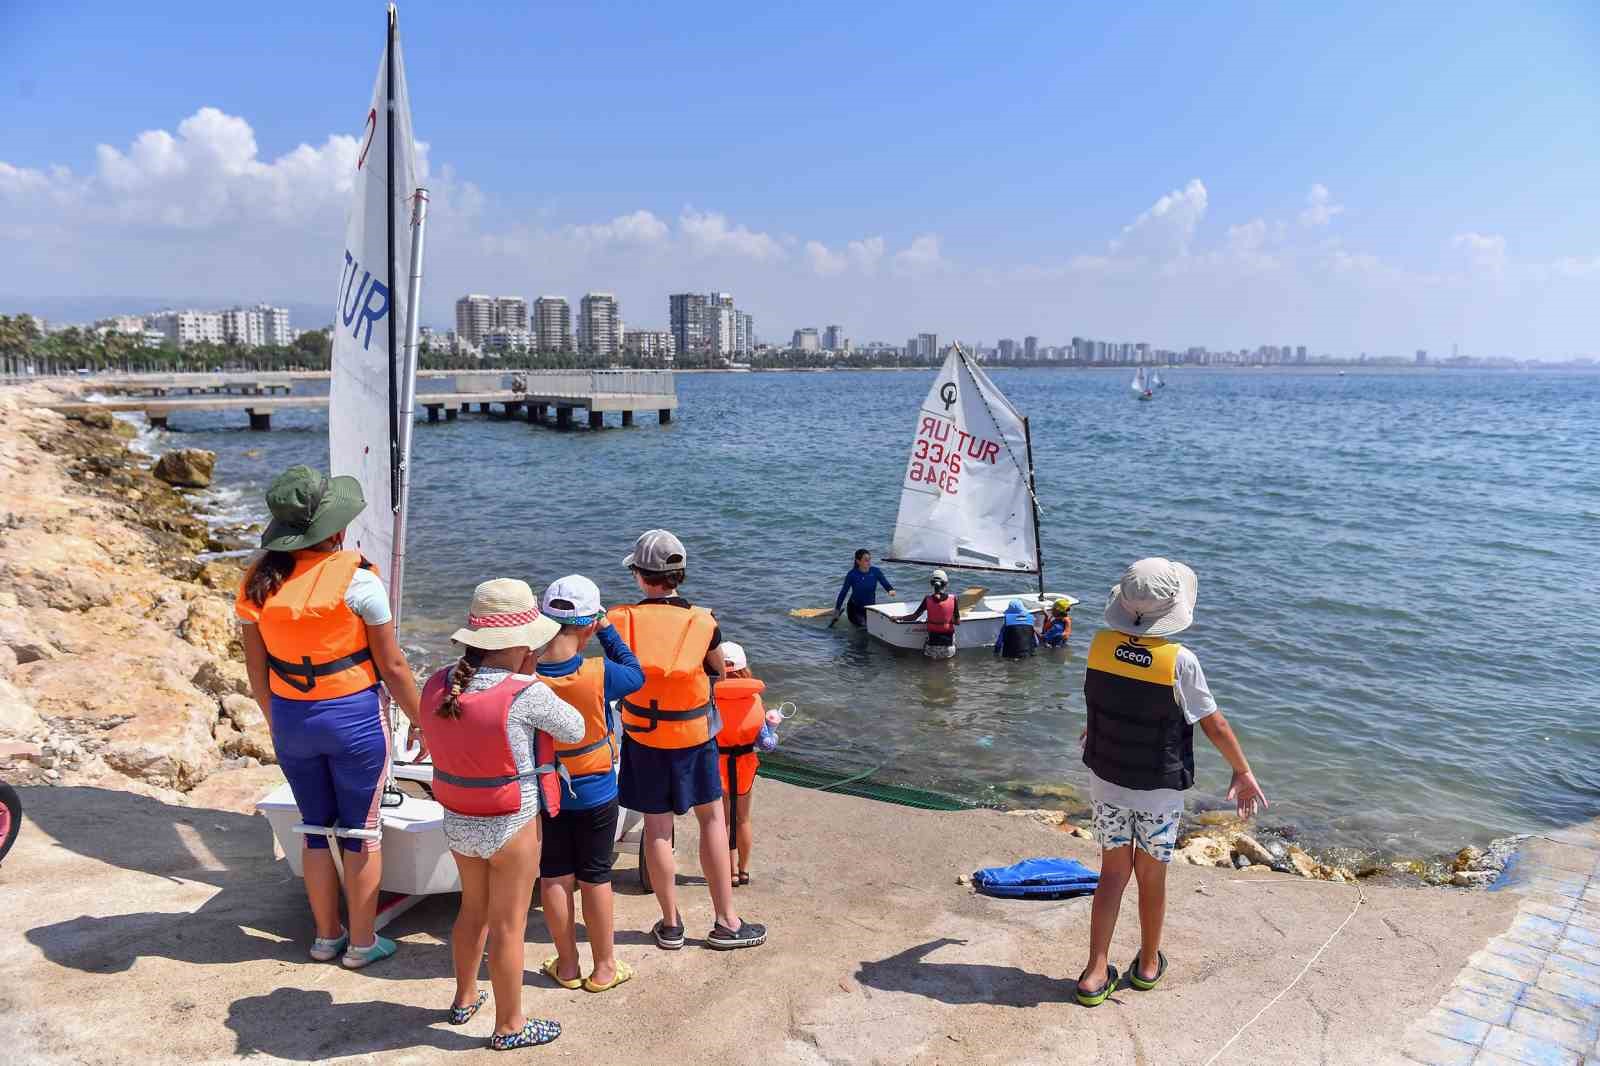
pixel 318 638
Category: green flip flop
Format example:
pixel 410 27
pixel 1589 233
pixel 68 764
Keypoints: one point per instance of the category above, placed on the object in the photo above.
pixel 1098 996
pixel 1139 982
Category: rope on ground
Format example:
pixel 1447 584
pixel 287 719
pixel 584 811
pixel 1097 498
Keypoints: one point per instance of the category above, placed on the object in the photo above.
pixel 1361 897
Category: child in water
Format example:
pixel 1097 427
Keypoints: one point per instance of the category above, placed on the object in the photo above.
pixel 1058 630
pixel 943 617
pixel 746 729
pixel 1017 637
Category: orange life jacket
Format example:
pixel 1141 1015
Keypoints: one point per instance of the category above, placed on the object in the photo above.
pixel 585 690
pixel 474 770
pixel 316 645
pixel 739 704
pixel 674 708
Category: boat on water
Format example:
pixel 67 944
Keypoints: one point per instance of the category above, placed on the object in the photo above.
pixel 371 412
pixel 1140 386
pixel 1156 380
pixel 967 502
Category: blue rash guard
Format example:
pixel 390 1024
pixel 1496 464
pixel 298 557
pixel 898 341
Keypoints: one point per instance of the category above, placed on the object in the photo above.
pixel 862 587
pixel 1024 637
pixel 624 676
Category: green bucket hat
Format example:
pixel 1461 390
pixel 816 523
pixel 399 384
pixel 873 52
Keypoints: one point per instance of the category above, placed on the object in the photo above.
pixel 308 507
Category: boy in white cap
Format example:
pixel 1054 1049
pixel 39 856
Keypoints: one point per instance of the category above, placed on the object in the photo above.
pixel 578 842
pixel 1145 694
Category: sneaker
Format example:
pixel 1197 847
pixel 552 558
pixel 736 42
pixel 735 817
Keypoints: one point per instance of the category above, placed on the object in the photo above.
pixel 669 937
pixel 326 949
pixel 748 935
pixel 380 948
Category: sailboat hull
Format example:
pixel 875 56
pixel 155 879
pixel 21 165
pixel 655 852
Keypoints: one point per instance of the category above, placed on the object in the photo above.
pixel 979 627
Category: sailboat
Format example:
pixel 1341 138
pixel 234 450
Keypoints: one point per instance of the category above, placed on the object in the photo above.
pixel 1156 380
pixel 1140 387
pixel 967 502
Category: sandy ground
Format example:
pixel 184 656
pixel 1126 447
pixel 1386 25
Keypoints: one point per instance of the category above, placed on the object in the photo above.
pixel 138 931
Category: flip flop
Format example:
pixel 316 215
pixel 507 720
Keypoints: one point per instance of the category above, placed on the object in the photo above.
pixel 463 1015
pixel 1139 982
pixel 623 976
pixel 1098 996
pixel 548 968
pixel 536 1032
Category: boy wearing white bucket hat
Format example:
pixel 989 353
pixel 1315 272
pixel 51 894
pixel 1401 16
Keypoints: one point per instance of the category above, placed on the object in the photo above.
pixel 1145 694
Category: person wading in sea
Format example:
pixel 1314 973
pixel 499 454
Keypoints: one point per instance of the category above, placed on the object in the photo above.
pixel 1145 693
pixel 861 586
pixel 943 617
pixel 669 745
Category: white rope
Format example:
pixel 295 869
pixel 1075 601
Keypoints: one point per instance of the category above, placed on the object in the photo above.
pixel 1361 897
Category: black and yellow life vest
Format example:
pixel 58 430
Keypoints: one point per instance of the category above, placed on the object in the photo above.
pixel 1138 735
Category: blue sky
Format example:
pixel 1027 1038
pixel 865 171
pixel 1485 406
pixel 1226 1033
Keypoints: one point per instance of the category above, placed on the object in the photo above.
pixel 1000 170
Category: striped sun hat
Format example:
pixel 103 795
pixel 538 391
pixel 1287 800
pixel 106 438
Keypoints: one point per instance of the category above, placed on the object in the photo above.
pixel 505 615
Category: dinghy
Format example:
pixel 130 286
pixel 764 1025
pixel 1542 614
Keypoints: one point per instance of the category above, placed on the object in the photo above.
pixel 371 410
pixel 1141 387
pixel 967 503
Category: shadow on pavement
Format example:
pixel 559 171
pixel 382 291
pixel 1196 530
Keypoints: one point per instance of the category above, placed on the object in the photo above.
pixel 306 1026
pixel 961 983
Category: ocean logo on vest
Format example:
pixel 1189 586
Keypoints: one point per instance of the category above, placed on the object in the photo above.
pixel 1134 655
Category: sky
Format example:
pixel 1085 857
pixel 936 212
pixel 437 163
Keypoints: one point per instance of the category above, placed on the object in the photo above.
pixel 1353 178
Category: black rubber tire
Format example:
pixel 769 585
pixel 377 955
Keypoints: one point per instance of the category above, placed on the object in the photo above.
pixel 644 867
pixel 13 803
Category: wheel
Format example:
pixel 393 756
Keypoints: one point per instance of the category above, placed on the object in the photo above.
pixel 644 867
pixel 10 817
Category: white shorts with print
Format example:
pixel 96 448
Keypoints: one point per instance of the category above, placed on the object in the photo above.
pixel 1154 834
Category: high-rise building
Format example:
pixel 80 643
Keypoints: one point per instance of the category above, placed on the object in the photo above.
pixel 806 340
pixel 1030 347
pixel 721 324
pixel 656 344
pixel 552 324
pixel 744 342
pixel 476 315
pixel 133 325
pixel 928 346
pixel 833 339
pixel 1300 354
pixel 1422 357
pixel 275 331
pixel 242 326
pixel 182 328
pixel 510 313
pixel 599 328
pixel 1007 349
pixel 687 316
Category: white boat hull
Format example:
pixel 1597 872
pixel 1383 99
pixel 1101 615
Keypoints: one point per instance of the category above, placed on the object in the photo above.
pixel 979 627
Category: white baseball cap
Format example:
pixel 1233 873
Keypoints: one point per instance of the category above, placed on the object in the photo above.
pixel 573 601
pixel 733 656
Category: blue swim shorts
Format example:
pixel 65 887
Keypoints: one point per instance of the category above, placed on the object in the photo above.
pixel 335 754
pixel 658 780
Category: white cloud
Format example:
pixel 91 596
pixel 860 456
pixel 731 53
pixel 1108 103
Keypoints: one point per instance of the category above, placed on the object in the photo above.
pixel 1320 208
pixel 920 257
pixel 708 233
pixel 638 228
pixel 1165 229
pixel 1484 252
pixel 864 255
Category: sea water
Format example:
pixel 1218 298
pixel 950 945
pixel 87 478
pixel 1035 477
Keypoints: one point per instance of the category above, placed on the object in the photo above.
pixel 1398 583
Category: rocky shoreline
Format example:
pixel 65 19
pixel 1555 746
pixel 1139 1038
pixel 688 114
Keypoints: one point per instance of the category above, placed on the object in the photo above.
pixel 120 664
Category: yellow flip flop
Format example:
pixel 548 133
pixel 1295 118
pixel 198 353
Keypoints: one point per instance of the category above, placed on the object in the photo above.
pixel 624 974
pixel 549 970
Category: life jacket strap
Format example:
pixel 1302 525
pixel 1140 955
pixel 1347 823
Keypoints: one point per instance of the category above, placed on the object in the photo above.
pixel 573 753
pixel 737 749
pixel 656 715
pixel 292 673
pixel 484 782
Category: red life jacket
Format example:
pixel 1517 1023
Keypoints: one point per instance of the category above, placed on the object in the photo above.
pixel 941 614
pixel 474 770
pixel 739 703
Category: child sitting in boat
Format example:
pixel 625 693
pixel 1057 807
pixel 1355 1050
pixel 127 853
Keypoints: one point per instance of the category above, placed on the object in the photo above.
pixel 1017 637
pixel 745 730
pixel 1059 628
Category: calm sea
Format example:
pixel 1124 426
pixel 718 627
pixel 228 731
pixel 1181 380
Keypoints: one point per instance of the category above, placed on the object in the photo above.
pixel 1398 580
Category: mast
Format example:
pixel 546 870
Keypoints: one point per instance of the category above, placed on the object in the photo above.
pixel 408 398
pixel 1033 500
pixel 394 394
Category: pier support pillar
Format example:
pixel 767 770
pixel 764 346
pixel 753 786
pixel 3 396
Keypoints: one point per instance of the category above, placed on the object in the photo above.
pixel 532 413
pixel 451 413
pixel 513 408
pixel 483 408
pixel 260 421
pixel 597 419
pixel 627 418
pixel 665 415
pixel 433 412
pixel 563 418
pixel 540 413
pixel 157 421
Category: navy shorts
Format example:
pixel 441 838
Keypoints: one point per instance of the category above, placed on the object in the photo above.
pixel 335 755
pixel 663 780
pixel 579 842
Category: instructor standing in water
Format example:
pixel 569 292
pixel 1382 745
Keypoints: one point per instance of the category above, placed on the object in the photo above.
pixel 861 585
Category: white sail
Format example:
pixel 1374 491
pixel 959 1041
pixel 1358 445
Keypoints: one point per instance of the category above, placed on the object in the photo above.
pixel 966 500
pixel 1155 379
pixel 1137 385
pixel 369 364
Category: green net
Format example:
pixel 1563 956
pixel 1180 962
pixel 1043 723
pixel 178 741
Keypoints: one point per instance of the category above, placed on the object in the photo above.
pixel 859 784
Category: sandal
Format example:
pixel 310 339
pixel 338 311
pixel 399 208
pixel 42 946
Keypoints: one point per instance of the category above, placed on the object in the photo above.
pixel 1139 982
pixel 462 1015
pixel 536 1032
pixel 668 937
pixel 742 880
pixel 1098 996
pixel 623 976
pixel 548 968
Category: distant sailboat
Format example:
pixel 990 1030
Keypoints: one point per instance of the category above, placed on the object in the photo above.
pixel 1156 380
pixel 1140 387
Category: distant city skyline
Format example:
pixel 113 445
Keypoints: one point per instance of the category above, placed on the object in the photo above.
pixel 1385 195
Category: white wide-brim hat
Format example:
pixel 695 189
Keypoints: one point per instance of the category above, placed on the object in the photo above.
pixel 504 615
pixel 1155 598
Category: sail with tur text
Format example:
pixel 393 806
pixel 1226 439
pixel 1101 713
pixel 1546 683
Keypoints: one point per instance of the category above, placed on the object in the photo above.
pixel 967 499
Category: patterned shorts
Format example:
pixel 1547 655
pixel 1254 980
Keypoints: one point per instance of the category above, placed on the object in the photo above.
pixel 1154 834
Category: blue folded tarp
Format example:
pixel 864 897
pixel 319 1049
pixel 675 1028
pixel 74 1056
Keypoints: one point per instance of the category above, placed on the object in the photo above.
pixel 1037 879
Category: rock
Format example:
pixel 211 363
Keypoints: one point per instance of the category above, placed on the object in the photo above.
pixel 1468 858
pixel 1301 863
pixel 962 879
pixel 1081 833
pixel 221 677
pixel 236 790
pixel 1043 817
pixel 1247 847
pixel 52 775
pixel 8 660
pixel 221 574
pixel 1240 862
pixel 251 737
pixel 1203 851
pixel 1473 878
pixel 210 625
pixel 188 468
pixel 95 419
pixel 46 761
pixel 17 716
